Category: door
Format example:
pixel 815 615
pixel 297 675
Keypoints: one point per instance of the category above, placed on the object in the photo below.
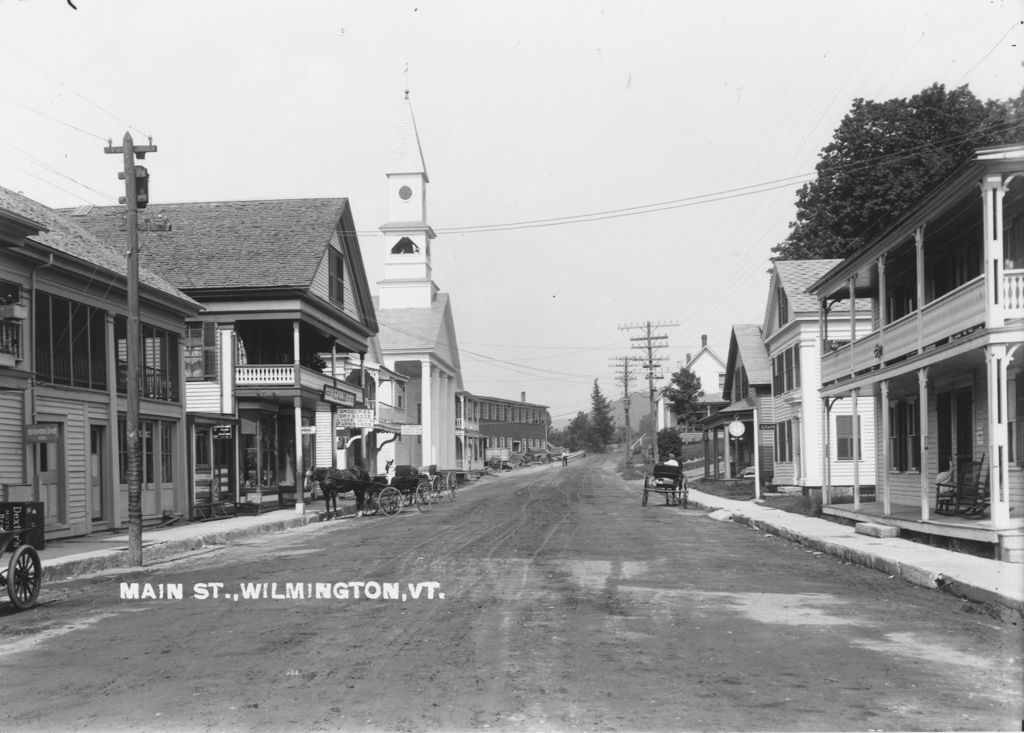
pixel 964 426
pixel 96 473
pixel 944 439
pixel 150 496
pixel 52 492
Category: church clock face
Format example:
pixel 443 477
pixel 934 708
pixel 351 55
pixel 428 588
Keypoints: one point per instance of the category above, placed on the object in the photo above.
pixel 405 193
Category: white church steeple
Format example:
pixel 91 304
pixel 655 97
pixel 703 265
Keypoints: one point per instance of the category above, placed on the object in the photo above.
pixel 407 279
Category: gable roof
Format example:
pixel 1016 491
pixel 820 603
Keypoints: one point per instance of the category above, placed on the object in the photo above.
pixel 420 330
pixel 230 244
pixel 747 346
pixel 65 236
pixel 796 276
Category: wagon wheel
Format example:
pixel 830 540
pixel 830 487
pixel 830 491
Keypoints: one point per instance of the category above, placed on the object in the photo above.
pixel 421 496
pixel 24 577
pixel 436 487
pixel 370 506
pixel 390 501
pixel 451 482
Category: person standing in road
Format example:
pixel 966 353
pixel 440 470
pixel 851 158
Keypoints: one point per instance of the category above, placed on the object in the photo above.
pixel 565 458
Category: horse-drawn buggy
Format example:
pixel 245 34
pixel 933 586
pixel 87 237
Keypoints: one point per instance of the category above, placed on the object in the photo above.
pixel 408 486
pixel 667 479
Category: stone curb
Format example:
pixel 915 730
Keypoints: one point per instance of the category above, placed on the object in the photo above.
pixel 97 560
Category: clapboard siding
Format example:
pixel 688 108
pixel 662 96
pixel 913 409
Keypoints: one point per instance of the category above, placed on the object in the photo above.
pixel 202 396
pixel 12 468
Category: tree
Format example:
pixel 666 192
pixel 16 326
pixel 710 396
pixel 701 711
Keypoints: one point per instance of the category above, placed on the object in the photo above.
pixel 578 432
pixel 602 425
pixel 669 441
pixel 883 157
pixel 682 394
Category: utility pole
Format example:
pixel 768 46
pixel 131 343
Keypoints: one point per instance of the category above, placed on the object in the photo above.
pixel 648 342
pixel 624 376
pixel 136 196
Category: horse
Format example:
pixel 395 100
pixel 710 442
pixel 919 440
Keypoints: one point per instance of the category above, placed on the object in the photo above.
pixel 334 481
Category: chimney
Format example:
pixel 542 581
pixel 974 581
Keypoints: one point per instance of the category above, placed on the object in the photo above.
pixel 704 341
pixel 522 396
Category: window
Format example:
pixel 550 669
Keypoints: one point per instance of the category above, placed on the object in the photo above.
pixel 70 343
pixel 784 441
pixel 904 445
pixel 200 352
pixel 159 369
pixel 337 276
pixel 783 307
pixel 786 370
pixel 1015 435
pixel 845 438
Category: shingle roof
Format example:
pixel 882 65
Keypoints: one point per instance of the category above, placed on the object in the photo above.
pixel 231 244
pixel 797 276
pixel 752 351
pixel 67 237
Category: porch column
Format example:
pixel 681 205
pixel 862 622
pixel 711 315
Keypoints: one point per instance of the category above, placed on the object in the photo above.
pixel 992 251
pixel 919 278
pixel 296 355
pixel 883 304
pixel 997 358
pixel 854 393
pixel 826 452
pixel 726 451
pixel 852 284
pixel 883 466
pixel 924 439
pixel 300 468
pixel 426 410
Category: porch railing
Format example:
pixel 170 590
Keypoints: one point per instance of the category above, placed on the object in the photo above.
pixel 260 374
pixel 1013 292
pixel 462 423
pixel 945 316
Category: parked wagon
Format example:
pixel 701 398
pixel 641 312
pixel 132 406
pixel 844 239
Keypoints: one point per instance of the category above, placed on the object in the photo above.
pixel 24 574
pixel 668 480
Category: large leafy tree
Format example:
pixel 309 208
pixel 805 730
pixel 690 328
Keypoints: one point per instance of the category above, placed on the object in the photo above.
pixel 682 394
pixel 883 157
pixel 601 423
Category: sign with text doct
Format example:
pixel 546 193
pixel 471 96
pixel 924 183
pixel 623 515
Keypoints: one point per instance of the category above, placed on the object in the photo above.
pixel 222 432
pixel 354 419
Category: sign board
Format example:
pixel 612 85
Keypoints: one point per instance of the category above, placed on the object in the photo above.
pixel 736 429
pixel 354 419
pixel 769 426
pixel 221 432
pixel 412 429
pixel 337 396
pixel 308 430
pixel 42 433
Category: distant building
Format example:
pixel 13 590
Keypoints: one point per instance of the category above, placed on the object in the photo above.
pixel 710 369
pixel 511 427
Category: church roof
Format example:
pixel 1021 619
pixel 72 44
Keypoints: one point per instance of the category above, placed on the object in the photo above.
pixel 407 154
pixel 420 330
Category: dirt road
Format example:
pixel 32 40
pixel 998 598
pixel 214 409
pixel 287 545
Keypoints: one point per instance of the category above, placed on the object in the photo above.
pixel 558 604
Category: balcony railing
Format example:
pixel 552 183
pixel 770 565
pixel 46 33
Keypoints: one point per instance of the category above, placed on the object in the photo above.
pixel 285 375
pixel 464 423
pixel 390 414
pixel 950 314
pixel 1013 292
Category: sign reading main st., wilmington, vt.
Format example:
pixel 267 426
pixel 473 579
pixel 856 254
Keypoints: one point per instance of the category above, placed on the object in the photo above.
pixel 354 419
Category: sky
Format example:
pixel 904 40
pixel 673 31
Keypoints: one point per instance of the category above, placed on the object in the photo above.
pixel 594 165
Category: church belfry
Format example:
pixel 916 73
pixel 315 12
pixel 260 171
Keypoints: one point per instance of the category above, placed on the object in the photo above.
pixel 407 279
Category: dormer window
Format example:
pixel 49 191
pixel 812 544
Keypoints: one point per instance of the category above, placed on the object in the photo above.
pixel 405 246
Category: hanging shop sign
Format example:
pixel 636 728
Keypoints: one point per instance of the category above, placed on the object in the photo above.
pixel 412 430
pixel 354 419
pixel 337 396
pixel 221 432
pixel 42 433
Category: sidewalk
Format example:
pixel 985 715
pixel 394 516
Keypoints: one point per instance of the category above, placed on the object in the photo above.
pixel 975 578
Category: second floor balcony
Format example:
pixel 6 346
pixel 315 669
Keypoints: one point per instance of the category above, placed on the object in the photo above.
pixel 285 375
pixel 954 313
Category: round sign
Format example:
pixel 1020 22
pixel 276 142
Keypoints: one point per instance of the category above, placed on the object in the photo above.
pixel 736 429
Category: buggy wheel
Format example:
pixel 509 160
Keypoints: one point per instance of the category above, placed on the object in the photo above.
pixel 370 506
pixel 421 496
pixel 24 577
pixel 390 501
pixel 451 482
pixel 436 489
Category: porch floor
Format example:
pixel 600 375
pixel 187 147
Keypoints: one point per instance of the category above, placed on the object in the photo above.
pixel 908 517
